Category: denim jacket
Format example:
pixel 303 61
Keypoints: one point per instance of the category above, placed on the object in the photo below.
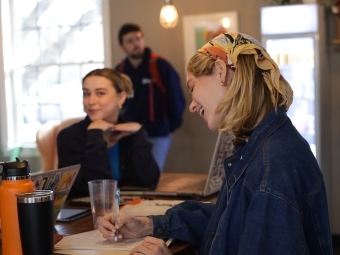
pixel 273 200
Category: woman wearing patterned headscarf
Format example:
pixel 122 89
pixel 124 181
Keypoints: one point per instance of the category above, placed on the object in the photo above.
pixel 273 200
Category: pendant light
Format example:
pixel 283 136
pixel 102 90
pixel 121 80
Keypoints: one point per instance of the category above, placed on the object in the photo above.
pixel 169 16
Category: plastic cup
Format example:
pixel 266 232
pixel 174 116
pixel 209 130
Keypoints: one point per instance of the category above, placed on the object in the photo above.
pixel 36 222
pixel 103 198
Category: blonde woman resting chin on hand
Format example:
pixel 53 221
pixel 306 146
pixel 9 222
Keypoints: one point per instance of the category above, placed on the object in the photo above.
pixel 104 144
pixel 273 199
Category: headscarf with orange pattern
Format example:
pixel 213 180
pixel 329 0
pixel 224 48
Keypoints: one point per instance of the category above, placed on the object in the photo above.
pixel 227 47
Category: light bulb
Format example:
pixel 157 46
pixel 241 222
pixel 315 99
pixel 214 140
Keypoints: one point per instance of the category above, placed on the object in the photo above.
pixel 169 16
pixel 226 22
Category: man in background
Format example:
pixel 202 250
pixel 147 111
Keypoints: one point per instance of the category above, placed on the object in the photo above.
pixel 158 103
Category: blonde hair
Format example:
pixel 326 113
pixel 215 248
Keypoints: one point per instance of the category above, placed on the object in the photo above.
pixel 247 99
pixel 120 81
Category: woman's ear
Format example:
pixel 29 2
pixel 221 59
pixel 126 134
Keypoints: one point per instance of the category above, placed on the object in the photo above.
pixel 221 69
pixel 122 98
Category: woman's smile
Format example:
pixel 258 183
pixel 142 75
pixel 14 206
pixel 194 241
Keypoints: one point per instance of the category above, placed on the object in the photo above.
pixel 201 112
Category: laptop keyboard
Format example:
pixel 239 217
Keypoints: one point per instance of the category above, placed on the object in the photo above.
pixel 199 186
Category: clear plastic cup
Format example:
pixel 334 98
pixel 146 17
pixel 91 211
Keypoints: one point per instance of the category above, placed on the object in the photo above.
pixel 103 198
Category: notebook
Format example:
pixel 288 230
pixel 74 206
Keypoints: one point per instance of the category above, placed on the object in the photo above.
pixel 184 184
pixel 60 181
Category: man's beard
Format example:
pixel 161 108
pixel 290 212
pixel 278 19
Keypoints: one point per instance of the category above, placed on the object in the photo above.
pixel 136 56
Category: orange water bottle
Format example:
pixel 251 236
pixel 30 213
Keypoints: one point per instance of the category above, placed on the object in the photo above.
pixel 15 179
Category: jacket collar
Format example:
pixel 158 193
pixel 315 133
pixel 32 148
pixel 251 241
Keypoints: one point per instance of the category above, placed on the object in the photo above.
pixel 245 154
pixel 147 52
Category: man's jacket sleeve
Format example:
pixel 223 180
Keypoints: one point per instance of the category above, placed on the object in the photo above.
pixel 175 101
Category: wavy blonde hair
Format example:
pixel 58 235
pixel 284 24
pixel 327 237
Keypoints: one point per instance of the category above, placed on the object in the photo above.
pixel 247 99
pixel 121 82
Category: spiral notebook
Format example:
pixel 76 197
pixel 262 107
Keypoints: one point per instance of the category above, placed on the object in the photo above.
pixel 60 181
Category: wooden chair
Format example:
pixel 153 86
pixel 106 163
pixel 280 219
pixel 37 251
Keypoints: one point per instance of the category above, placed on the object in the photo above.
pixel 46 140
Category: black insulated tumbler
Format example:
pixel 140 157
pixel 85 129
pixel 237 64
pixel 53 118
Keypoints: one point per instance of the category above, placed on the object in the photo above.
pixel 36 222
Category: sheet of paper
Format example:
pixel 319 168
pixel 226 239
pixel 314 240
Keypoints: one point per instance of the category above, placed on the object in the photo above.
pixel 97 252
pixel 91 252
pixel 149 207
pixel 93 240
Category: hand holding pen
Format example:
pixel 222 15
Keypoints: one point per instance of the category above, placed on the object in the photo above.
pixel 127 226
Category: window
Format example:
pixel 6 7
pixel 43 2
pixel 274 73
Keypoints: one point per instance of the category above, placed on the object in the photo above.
pixel 47 47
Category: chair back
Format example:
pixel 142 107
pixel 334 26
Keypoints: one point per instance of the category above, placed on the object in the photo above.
pixel 46 140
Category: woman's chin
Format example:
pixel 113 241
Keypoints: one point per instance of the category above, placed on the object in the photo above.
pixel 94 117
pixel 212 126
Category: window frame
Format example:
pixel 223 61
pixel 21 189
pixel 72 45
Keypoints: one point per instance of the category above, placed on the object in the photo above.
pixel 8 122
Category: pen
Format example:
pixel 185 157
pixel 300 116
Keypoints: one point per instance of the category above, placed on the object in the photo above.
pixel 168 242
pixel 159 204
pixel 116 235
pixel 116 210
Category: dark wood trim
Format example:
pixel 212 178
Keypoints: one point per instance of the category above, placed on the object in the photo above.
pixel 336 240
pixel 337 40
pixel 338 25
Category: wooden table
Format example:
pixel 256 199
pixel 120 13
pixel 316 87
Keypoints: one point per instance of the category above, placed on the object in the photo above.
pixel 86 224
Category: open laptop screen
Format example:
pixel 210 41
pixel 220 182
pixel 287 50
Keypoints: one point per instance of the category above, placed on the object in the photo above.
pixel 60 181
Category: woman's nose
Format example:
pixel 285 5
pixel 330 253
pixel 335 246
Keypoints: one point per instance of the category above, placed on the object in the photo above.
pixel 92 99
pixel 193 106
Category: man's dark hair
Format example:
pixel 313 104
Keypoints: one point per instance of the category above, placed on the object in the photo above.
pixel 127 28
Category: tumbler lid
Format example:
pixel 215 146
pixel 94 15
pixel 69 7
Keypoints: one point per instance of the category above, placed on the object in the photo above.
pixel 15 168
pixel 37 196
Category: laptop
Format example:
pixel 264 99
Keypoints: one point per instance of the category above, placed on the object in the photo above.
pixel 183 184
pixel 60 181
pixel 195 185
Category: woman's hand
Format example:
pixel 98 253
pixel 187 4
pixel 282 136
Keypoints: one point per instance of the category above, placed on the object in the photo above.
pixel 114 132
pixel 151 246
pixel 124 129
pixel 101 124
pixel 128 226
